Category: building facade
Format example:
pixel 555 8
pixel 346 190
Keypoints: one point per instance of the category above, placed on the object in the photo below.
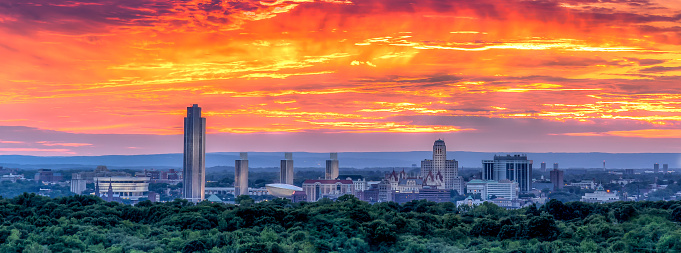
pixel 511 167
pixel 557 179
pixel 489 189
pixel 241 175
pixel 132 188
pixel 78 183
pixel 316 189
pixel 449 169
pixel 194 165
pixel 332 167
pixel 600 196
pixel 286 172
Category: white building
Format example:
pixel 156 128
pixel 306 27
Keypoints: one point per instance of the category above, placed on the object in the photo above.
pixel 487 189
pixel 132 188
pixel 241 175
pixel 78 183
pixel 600 196
pixel 585 184
pixel 316 189
pixel 230 190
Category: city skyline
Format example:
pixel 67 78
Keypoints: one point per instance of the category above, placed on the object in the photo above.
pixel 496 76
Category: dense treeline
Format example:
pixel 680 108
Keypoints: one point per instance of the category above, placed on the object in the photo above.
pixel 32 223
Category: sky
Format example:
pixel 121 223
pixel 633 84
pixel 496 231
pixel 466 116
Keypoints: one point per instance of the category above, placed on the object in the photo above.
pixel 96 77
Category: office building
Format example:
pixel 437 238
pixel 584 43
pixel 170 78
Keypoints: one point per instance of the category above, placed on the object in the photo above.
pixel 131 188
pixel 557 178
pixel 194 166
pixel 543 166
pixel 656 168
pixel 78 183
pixel 241 175
pixel 489 189
pixel 449 169
pixel 286 173
pixel 512 167
pixel 555 166
pixel 332 167
pixel 316 189
pixel 46 175
pixel 665 168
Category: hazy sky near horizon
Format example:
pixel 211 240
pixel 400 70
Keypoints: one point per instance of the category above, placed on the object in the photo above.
pixel 93 77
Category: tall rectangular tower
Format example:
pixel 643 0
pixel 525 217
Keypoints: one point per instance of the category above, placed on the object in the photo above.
pixel 194 165
pixel 557 178
pixel 665 168
pixel 656 168
pixel 286 174
pixel 332 167
pixel 241 175
pixel 515 168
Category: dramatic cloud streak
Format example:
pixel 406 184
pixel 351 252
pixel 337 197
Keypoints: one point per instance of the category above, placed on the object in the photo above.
pixel 342 68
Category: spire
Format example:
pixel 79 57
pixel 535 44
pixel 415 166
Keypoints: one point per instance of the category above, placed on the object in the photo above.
pixel 109 194
pixel 97 187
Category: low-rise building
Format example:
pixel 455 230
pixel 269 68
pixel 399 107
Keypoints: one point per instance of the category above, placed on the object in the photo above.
pixel 230 190
pixel 132 188
pixel 585 184
pixel 489 189
pixel 316 189
pixel 600 196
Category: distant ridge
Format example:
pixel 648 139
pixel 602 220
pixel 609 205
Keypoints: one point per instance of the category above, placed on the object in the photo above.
pixel 347 159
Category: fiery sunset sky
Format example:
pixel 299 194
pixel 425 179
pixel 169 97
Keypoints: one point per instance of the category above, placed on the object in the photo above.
pixel 93 77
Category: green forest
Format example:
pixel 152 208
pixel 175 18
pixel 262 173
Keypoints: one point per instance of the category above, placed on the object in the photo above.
pixel 32 223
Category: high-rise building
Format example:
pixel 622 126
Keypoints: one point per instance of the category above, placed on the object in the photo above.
pixel 656 168
pixel 555 166
pixel 194 166
pixel 557 178
pixel 78 183
pixel 241 175
pixel 543 166
pixel 286 174
pixel 665 168
pixel 515 168
pixel 448 168
pixel 332 167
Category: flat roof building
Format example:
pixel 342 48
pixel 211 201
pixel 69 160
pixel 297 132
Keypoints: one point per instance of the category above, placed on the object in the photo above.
pixel 194 165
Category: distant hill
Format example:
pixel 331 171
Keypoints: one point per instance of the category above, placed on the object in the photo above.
pixel 347 159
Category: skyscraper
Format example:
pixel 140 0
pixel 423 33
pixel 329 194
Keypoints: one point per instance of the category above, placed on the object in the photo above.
pixel 286 174
pixel 665 168
pixel 448 168
pixel 656 168
pixel 516 168
pixel 543 166
pixel 332 167
pixel 194 165
pixel 557 178
pixel 241 175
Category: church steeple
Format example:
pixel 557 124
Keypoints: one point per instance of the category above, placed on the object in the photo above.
pixel 109 194
pixel 97 187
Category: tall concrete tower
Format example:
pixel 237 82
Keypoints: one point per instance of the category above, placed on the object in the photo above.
pixel 241 175
pixel 665 168
pixel 332 167
pixel 286 174
pixel 656 168
pixel 194 166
